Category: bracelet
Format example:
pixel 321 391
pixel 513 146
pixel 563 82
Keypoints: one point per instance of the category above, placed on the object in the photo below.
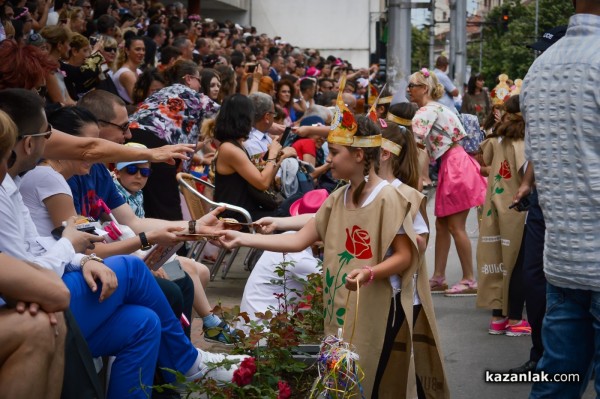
pixel 145 245
pixel 272 159
pixel 87 258
pixel 192 227
pixel 372 277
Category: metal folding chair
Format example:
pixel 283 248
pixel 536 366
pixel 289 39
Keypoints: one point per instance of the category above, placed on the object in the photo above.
pixel 199 205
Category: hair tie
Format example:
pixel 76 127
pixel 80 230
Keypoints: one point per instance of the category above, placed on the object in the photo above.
pixel 425 72
pixel 382 123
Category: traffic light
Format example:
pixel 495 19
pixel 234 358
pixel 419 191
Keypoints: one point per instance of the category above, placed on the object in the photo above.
pixel 505 20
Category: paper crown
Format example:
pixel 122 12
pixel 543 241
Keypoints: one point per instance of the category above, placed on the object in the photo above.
pixel 372 114
pixel 516 89
pixel 344 126
pixel 501 92
pixel 396 119
pixel 390 146
pixel 373 94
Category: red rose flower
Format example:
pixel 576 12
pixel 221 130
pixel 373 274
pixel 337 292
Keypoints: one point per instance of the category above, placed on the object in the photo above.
pixel 243 375
pixel 477 108
pixel 358 243
pixel 504 171
pixel 284 390
pixel 347 119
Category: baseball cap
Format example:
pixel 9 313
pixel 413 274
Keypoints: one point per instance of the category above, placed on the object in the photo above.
pixel 549 38
pixel 121 165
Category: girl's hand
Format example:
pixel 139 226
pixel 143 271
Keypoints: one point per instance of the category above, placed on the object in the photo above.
pixel 165 236
pixel 231 239
pixel 355 277
pixel 266 225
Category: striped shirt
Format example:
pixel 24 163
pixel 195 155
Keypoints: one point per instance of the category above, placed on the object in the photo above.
pixel 560 101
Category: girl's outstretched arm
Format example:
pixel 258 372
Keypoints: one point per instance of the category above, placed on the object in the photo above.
pixel 276 243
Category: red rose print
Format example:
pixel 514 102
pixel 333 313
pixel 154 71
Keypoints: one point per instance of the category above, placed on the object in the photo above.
pixel 175 104
pixel 243 375
pixel 504 171
pixel 358 243
pixel 285 392
pixel 347 119
pixel 477 108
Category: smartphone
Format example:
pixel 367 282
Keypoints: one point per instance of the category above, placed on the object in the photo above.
pixel 251 67
pixel 174 270
pixel 522 205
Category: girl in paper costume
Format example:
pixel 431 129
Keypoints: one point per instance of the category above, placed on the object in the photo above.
pixel 358 224
pixel 501 229
pixel 460 186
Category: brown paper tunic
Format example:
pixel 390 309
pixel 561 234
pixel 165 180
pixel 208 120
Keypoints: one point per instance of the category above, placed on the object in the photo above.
pixel 353 239
pixel 501 229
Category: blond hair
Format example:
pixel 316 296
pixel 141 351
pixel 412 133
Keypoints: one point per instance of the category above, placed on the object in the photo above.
pixel 428 78
pixel 8 134
pixel 56 34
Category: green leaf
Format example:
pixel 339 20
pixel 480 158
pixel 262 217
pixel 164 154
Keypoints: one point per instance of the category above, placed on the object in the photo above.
pixel 499 190
pixel 328 278
pixel 326 290
pixel 344 278
pixel 340 321
pixel 489 213
pixel 340 312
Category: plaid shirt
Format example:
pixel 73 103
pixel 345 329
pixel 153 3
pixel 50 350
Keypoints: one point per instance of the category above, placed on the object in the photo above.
pixel 560 101
pixel 135 201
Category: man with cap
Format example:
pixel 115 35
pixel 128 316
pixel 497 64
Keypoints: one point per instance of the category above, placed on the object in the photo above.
pixel 533 242
pixel 559 102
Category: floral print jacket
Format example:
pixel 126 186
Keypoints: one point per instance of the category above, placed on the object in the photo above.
pixel 438 128
pixel 174 114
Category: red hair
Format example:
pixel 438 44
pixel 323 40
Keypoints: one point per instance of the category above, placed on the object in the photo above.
pixel 28 64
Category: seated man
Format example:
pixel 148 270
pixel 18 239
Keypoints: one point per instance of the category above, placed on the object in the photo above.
pixel 89 189
pixel 33 332
pixel 118 305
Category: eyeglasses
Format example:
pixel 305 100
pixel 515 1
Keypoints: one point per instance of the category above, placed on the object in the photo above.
pixel 110 49
pixel 133 169
pixel 411 85
pixel 195 77
pixel 45 134
pixel 124 127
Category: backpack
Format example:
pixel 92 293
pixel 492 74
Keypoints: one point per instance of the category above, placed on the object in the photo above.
pixel 474 133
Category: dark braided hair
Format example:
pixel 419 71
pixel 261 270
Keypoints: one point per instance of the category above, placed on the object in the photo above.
pixel 366 127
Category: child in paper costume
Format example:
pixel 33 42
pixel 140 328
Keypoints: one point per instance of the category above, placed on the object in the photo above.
pixel 501 229
pixel 358 224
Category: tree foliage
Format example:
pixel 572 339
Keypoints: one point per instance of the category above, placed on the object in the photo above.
pixel 420 48
pixel 506 52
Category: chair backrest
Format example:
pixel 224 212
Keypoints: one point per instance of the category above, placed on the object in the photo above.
pixel 198 202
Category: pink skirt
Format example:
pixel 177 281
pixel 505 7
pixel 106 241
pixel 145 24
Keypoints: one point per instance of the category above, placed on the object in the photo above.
pixel 460 185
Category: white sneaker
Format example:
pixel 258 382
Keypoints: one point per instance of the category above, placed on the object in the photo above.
pixel 209 366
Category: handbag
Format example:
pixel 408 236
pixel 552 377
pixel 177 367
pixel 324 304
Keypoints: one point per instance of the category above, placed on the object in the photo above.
pixel 265 199
pixel 475 135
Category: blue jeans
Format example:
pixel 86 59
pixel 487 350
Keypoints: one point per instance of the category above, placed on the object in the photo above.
pixel 135 324
pixel 571 337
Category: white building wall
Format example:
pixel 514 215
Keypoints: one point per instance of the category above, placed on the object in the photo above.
pixel 335 27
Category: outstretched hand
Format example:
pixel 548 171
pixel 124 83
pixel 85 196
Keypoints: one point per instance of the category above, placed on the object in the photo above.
pixel 170 153
pixel 230 239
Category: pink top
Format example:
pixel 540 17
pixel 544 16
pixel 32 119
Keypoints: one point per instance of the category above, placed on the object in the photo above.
pixel 438 128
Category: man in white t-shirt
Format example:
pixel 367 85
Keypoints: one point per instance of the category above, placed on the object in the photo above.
pixel 441 66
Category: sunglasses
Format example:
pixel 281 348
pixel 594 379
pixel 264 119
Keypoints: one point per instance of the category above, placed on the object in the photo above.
pixel 124 127
pixel 45 134
pixel 133 169
pixel 411 85
pixel 110 49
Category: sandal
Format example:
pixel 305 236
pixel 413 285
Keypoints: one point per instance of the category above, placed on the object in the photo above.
pixel 438 285
pixel 463 288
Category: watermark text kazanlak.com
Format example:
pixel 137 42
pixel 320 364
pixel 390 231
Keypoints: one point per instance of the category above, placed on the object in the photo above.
pixel 530 376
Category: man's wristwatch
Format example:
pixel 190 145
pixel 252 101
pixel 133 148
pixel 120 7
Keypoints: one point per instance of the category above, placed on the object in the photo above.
pixel 192 227
pixel 145 244
pixel 87 258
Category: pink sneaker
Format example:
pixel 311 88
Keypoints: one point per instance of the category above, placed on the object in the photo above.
pixel 498 327
pixel 520 329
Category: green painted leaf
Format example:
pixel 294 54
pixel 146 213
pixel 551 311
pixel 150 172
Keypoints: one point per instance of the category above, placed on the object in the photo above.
pixel 340 321
pixel 329 301
pixel 499 190
pixel 326 290
pixel 328 278
pixel 344 278
pixel 489 213
pixel 340 312
pixel 498 177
